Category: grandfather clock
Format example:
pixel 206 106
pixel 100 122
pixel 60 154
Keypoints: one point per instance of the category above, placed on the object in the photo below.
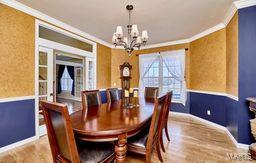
pixel 125 75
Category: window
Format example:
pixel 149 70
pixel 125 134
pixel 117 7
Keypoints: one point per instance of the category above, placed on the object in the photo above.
pixel 170 83
pixel 90 76
pixel 66 81
pixel 164 71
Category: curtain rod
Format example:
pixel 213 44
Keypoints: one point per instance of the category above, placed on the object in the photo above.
pixel 186 49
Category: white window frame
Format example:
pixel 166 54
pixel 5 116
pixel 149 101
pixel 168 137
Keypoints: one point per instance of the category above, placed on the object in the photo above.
pixel 160 79
pixel 87 60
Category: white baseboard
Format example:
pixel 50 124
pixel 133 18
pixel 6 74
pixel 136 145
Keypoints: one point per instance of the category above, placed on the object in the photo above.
pixel 42 130
pixel 242 146
pixel 17 144
pixel 179 114
pixel 208 122
pixel 238 145
pixel 231 137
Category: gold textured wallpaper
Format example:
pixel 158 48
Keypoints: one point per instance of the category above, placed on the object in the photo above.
pixel 118 57
pixel 103 66
pixel 17 33
pixel 211 61
pixel 232 56
pixel 208 62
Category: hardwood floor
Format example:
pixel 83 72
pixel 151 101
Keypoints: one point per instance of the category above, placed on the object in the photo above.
pixel 72 105
pixel 191 141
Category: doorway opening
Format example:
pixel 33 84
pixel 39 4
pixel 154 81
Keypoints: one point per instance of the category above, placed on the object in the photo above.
pixel 65 64
pixel 69 76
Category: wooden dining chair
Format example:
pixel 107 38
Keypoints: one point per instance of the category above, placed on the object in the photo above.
pixel 90 98
pixel 147 140
pixel 165 116
pixel 112 95
pixel 151 92
pixel 64 148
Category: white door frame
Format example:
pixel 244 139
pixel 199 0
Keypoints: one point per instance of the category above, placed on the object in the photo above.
pixel 49 52
pixel 54 45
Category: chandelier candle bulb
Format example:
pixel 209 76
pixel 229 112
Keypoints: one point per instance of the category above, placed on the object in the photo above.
pixel 119 31
pixel 131 90
pixel 135 31
pixel 144 35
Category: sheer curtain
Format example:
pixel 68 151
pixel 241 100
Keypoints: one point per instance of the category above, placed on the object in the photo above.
pixel 60 73
pixel 148 59
pixel 166 63
pixel 177 56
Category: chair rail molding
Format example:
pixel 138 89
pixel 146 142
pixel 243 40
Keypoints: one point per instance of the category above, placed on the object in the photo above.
pixel 215 93
pixel 20 98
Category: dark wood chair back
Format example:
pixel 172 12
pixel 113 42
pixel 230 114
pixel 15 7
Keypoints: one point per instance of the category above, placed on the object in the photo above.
pixel 168 106
pixel 155 125
pixel 151 92
pixel 60 132
pixel 112 95
pixel 91 98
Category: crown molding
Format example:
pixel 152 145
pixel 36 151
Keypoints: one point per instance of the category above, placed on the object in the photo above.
pixel 184 41
pixel 244 3
pixel 207 32
pixel 232 10
pixel 28 10
pixel 166 44
pixel 229 15
pixel 191 39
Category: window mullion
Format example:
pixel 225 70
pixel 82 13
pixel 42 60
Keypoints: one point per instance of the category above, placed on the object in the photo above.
pixel 160 77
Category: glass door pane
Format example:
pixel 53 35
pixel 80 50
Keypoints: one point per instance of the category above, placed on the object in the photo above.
pixel 90 77
pixel 78 81
pixel 45 81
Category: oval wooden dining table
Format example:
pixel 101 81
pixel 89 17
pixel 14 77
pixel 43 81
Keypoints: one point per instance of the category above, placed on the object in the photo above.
pixel 112 122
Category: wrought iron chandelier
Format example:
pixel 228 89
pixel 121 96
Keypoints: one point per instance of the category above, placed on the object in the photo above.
pixel 133 40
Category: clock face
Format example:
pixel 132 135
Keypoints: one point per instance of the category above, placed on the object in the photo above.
pixel 126 71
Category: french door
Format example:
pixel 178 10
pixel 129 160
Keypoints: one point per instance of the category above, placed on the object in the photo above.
pixel 45 81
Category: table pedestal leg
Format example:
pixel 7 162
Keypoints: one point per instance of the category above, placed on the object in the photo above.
pixel 121 148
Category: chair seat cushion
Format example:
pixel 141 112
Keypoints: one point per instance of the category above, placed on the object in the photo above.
pixel 90 152
pixel 139 140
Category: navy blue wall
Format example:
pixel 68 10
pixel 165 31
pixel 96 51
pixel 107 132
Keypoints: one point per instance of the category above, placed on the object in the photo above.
pixel 200 103
pixel 178 107
pixel 247 70
pixel 103 94
pixel 232 113
pixel 17 121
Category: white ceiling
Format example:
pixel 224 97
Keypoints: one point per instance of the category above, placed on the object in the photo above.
pixel 165 20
